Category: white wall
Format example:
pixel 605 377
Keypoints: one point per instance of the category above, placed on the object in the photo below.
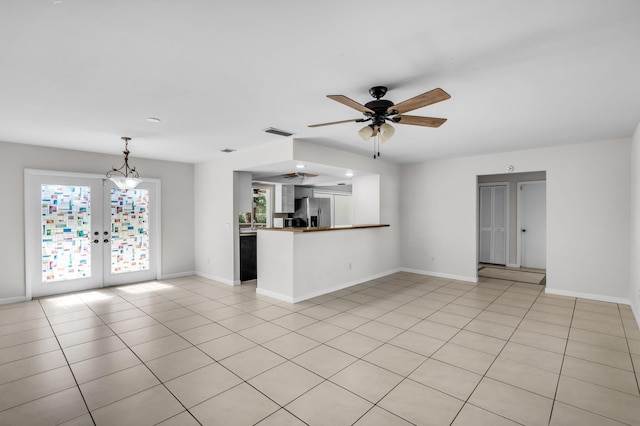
pixel 588 215
pixel 635 225
pixel 177 205
pixel 216 223
pixel 366 199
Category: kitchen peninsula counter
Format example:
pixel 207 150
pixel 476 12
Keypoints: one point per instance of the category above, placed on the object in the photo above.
pixel 323 228
pixel 296 264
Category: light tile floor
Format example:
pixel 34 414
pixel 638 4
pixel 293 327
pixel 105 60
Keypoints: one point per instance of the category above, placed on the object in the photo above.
pixel 399 350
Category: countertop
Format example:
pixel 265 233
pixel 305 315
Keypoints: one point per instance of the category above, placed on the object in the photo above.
pixel 324 228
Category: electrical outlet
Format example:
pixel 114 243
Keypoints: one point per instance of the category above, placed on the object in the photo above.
pixel 349 265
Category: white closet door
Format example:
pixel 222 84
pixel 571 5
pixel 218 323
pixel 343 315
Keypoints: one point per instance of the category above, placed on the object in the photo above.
pixel 493 224
pixel 532 208
pixel 500 225
pixel 486 229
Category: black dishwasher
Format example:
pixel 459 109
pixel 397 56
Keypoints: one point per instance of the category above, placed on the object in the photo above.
pixel 248 257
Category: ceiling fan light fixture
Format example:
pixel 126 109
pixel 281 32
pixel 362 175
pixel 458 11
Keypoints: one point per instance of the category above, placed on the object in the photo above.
pixel 365 133
pixel 386 132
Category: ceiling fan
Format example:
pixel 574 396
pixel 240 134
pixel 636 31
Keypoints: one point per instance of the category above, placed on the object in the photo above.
pixel 379 111
pixel 298 175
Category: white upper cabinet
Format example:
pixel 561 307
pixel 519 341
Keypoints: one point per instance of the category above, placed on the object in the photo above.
pixel 285 199
pixel 243 193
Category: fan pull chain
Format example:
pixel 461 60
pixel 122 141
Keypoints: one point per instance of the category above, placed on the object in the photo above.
pixel 376 147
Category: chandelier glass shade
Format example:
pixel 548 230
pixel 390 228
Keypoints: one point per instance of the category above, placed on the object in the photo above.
pixel 125 177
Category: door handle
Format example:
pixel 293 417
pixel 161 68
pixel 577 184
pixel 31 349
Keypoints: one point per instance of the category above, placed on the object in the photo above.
pixel 106 240
pixel 524 230
pixel 96 241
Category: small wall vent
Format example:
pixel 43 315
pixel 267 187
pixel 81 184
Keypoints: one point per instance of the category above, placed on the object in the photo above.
pixel 278 132
pixel 228 150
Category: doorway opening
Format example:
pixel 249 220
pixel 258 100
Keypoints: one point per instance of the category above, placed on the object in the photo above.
pixel 511 225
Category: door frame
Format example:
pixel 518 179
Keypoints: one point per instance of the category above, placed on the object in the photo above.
pixel 29 241
pixel 519 219
pixel 507 219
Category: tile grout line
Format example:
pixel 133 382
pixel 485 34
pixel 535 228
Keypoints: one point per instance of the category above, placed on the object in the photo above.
pixel 466 401
pixel 564 355
pixel 141 361
pixel 626 338
pixel 328 378
pixel 68 365
pixel 427 358
pixel 595 384
pixel 376 298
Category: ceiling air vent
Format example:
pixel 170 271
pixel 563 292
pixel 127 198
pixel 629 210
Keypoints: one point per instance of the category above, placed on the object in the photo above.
pixel 278 132
pixel 228 150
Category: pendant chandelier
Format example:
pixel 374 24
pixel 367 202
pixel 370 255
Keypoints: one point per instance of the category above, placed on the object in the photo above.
pixel 125 177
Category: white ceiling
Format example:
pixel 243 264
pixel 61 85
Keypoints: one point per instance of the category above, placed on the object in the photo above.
pixel 79 74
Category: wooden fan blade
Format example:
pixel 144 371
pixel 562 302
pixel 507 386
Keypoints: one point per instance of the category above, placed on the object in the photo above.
pixel 336 122
pixel 428 98
pixel 419 121
pixel 350 103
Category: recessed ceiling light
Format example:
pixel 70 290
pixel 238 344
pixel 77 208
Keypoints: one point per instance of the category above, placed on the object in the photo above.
pixel 228 150
pixel 349 174
pixel 153 120
pixel 300 166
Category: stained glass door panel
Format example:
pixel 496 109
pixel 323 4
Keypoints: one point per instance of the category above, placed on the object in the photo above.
pixel 66 232
pixel 129 230
pixel 63 228
pixel 131 220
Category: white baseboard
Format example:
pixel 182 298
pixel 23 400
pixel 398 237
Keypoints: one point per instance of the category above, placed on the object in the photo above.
pixel 590 296
pixel 8 300
pixel 218 279
pixel 441 275
pixel 513 265
pixel 636 314
pixel 324 291
pixel 177 275
pixel 274 295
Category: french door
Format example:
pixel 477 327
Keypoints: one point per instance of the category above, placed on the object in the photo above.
pixel 82 232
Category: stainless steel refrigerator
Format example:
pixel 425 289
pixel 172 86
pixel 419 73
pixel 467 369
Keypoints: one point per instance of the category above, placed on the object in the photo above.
pixel 315 212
